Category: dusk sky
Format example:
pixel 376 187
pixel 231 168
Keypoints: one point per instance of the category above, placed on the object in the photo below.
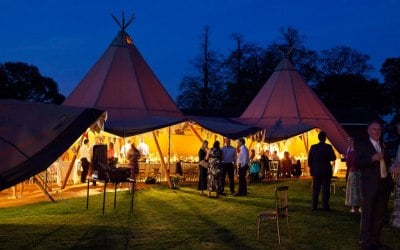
pixel 65 38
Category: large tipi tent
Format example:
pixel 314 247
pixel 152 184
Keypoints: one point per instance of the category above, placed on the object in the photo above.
pixel 123 84
pixel 286 106
pixel 34 135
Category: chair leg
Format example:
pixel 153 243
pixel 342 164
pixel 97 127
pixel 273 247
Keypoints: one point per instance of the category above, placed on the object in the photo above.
pixel 258 229
pixel 277 227
pixel 288 226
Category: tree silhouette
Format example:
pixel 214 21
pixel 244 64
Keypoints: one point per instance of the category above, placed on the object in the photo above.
pixel 22 81
pixel 203 92
pixel 391 73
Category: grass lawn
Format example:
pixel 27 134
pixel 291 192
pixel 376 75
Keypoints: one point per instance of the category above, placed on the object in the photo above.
pixel 182 219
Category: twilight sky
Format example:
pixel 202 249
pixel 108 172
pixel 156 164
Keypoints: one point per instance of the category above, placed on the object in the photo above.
pixel 64 38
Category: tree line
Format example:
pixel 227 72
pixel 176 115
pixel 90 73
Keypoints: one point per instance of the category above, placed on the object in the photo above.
pixel 226 84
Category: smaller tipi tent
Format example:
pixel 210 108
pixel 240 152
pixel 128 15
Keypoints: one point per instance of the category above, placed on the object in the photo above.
pixel 286 106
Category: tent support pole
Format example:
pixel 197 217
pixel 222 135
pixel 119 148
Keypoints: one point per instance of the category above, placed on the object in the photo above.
pixel 71 165
pixel 162 159
pixel 305 141
pixel 195 132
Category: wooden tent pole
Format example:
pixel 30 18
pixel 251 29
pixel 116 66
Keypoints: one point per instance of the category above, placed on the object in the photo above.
pixel 162 159
pixel 71 165
pixel 305 141
pixel 40 183
pixel 195 132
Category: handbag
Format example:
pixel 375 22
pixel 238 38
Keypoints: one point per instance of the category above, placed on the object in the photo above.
pixel 204 164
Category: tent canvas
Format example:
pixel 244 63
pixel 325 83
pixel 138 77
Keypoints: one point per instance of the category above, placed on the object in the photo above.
pixel 34 135
pixel 123 84
pixel 224 126
pixel 286 106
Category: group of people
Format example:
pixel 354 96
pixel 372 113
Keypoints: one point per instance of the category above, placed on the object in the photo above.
pixel 220 163
pixel 369 180
pixel 288 166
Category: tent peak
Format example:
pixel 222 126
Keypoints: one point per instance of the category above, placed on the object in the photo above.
pixel 123 25
pixel 285 64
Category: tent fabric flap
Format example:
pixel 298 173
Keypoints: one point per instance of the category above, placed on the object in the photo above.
pixel 224 126
pixel 130 127
pixel 34 135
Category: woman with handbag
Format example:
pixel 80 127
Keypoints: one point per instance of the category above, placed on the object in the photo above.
pixel 203 166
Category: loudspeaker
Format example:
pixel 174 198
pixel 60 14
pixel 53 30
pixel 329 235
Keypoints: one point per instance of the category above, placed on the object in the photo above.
pixel 99 156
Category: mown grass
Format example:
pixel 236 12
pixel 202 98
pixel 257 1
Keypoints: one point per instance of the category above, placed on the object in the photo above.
pixel 182 219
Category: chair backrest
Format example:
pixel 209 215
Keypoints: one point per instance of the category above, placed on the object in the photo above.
pixel 273 165
pixel 281 200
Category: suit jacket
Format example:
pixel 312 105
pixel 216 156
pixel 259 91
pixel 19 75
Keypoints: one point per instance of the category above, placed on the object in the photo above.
pixel 319 159
pixel 370 170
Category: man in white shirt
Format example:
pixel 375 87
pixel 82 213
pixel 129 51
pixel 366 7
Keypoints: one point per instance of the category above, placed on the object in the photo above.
pixel 124 150
pixel 243 164
pixel 228 163
pixel 143 148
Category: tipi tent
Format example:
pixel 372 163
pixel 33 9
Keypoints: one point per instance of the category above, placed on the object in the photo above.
pixel 122 83
pixel 34 135
pixel 286 106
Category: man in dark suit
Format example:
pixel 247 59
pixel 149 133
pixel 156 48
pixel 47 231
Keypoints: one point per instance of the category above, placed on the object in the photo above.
pixel 373 160
pixel 319 161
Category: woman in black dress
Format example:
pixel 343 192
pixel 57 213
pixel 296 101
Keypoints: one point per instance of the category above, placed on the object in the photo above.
pixel 202 185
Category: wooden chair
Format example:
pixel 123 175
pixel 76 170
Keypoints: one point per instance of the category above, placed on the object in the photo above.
pixel 281 211
pixel 274 169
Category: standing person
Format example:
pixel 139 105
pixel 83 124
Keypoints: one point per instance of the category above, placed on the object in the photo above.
pixel 143 149
pixel 319 161
pixel 353 180
pixel 228 163
pixel 86 157
pixel 214 158
pixel 373 160
pixel 396 171
pixel 286 165
pixel 202 184
pixel 133 156
pixel 264 164
pixel 124 151
pixel 243 161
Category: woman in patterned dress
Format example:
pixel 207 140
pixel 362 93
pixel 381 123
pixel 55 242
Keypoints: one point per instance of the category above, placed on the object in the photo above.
pixel 214 170
pixel 395 170
pixel 353 180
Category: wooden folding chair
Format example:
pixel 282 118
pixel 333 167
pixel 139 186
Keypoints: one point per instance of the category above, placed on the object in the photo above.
pixel 281 211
